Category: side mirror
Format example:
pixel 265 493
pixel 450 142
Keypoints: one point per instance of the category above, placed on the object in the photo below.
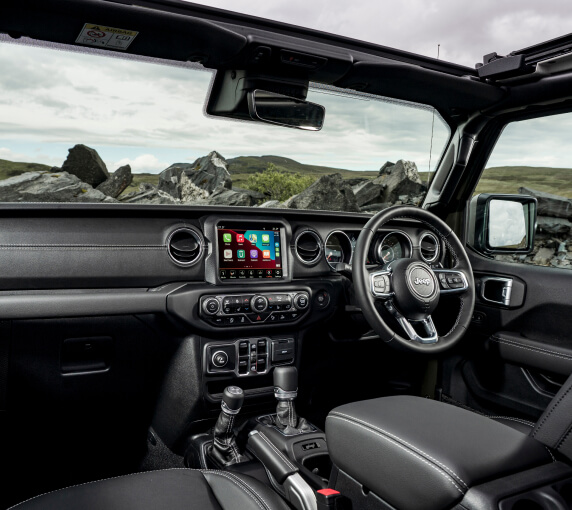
pixel 502 223
pixel 285 111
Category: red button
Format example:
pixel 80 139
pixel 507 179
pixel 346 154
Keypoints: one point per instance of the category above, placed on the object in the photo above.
pixel 328 492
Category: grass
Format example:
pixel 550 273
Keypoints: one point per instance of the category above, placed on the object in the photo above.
pixel 507 179
pixel 11 169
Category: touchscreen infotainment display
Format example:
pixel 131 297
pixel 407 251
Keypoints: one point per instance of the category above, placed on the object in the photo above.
pixel 249 252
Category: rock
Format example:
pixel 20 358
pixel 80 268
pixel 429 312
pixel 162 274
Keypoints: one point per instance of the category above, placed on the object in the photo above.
pixel 117 182
pixel 209 173
pixel 235 197
pixel 85 163
pixel 543 256
pixel 385 168
pixel 49 187
pixel 354 181
pixel 553 226
pixel 329 193
pixel 400 179
pixel 149 194
pixel 368 192
pixel 550 205
pixel 188 191
pixel 271 204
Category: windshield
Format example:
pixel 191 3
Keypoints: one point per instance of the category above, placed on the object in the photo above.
pixel 92 127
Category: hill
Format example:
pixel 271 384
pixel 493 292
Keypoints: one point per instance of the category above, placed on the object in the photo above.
pixel 12 169
pixel 507 179
pixel 240 168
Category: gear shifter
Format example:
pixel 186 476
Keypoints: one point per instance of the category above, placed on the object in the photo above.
pixel 286 391
pixel 224 450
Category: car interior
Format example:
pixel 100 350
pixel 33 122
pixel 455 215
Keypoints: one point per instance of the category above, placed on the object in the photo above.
pixel 413 369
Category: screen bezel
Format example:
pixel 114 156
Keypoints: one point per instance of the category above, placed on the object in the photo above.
pixel 212 264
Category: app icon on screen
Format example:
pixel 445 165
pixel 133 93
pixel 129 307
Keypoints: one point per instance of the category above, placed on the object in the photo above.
pixel 253 238
pixel 265 239
pixel 227 238
pixel 253 254
pixel 240 254
pixel 277 244
pixel 240 238
pixel 265 253
pixel 228 254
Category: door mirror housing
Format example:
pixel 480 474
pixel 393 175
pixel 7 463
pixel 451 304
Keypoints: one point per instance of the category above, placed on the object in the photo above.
pixel 285 111
pixel 502 223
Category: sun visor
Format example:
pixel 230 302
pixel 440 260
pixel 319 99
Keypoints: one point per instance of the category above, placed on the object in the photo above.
pixel 121 28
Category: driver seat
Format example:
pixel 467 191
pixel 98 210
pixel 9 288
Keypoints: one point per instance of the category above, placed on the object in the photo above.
pixel 169 489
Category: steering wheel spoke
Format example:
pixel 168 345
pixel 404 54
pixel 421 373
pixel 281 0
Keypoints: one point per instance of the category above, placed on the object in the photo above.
pixel 422 331
pixel 451 281
pixel 380 282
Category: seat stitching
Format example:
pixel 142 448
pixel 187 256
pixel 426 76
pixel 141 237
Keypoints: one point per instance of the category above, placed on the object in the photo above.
pixel 550 453
pixel 432 466
pixel 539 426
pixel 280 454
pixel 564 437
pixel 97 481
pixel 531 348
pixel 242 485
pixel 417 449
pixel 519 420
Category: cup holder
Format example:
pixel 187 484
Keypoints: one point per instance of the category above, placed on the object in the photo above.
pixel 320 465
pixel 545 498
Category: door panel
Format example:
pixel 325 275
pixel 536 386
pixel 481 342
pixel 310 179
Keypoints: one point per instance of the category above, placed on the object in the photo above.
pixel 515 355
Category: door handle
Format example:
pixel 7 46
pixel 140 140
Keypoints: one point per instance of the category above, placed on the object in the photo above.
pixel 497 290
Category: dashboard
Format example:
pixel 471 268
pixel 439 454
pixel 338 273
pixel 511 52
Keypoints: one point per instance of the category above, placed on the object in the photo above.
pixel 171 260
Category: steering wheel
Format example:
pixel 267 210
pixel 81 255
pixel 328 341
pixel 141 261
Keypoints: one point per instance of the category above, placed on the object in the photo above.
pixel 410 289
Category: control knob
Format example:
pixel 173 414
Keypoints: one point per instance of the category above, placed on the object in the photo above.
pixel 259 303
pixel 301 301
pixel 211 306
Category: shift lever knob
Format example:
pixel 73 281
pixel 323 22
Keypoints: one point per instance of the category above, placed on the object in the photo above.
pixel 232 399
pixel 285 383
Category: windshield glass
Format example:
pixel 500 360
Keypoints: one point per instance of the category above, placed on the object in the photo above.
pixel 92 127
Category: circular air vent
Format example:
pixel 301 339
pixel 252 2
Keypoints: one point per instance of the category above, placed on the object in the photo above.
pixel 308 246
pixel 185 246
pixel 429 246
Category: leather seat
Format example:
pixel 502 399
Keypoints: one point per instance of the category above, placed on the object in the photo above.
pixel 405 450
pixel 170 489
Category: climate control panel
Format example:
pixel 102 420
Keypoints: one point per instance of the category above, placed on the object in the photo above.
pixel 247 309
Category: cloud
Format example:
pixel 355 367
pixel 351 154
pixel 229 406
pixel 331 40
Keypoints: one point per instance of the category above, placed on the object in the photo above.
pixel 145 163
pixel 6 153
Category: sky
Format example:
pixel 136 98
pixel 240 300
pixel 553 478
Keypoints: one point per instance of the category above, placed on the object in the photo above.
pixel 151 116
pixel 466 30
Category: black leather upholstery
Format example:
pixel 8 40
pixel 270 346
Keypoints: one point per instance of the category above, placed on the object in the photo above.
pixel 171 489
pixel 224 450
pixel 410 449
pixel 554 427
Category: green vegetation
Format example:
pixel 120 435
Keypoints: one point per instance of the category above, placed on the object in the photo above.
pixel 11 169
pixel 243 167
pixel 507 179
pixel 276 184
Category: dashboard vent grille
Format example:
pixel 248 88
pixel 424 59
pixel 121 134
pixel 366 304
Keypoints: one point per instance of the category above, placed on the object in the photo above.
pixel 429 246
pixel 184 246
pixel 308 246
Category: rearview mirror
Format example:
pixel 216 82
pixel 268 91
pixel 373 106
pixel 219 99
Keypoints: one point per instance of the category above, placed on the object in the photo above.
pixel 502 223
pixel 285 111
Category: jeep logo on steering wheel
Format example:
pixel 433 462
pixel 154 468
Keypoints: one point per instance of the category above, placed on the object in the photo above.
pixel 422 281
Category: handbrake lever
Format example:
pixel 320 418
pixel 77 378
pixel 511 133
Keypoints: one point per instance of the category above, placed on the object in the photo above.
pixel 298 492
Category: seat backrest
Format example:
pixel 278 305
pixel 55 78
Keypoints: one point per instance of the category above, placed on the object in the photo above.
pixel 554 427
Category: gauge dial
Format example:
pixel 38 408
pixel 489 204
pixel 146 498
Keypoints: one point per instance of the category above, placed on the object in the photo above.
pixel 387 254
pixel 338 248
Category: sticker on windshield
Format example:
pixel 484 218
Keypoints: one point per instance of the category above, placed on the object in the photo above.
pixel 106 37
